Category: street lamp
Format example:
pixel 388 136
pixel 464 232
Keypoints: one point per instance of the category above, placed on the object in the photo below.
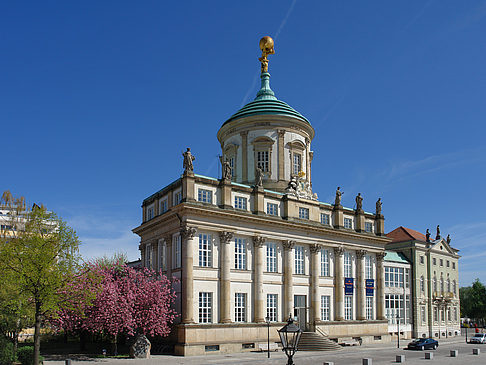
pixel 398 331
pixel 290 336
pixel 267 319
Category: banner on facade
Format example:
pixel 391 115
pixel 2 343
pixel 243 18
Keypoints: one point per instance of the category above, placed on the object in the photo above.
pixel 348 286
pixel 370 287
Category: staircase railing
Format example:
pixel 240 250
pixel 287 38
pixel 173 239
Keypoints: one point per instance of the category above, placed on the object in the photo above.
pixel 322 332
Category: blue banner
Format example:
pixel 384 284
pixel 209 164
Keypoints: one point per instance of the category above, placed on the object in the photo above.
pixel 348 286
pixel 370 286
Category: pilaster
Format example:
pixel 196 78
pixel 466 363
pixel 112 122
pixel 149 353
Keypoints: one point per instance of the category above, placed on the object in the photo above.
pixel 259 316
pixel 288 279
pixel 315 300
pixel 187 235
pixel 380 282
pixel 259 200
pixel 360 285
pixel 225 185
pixel 338 284
pixel 225 277
pixel 281 152
pixel 244 155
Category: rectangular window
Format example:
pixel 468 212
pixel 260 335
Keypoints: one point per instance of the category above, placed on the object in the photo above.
pixel 272 307
pixel 348 223
pixel 205 196
pixel 454 265
pixel 240 254
pixel 303 213
pixel 368 267
pixel 297 163
pixel 348 307
pixel 348 269
pixel 408 309
pixel 325 218
pixel 436 314
pixel 240 202
pixel 447 263
pixel 176 242
pixel 163 206
pixel 177 198
pixel 394 306
pixel 205 251
pixel 148 256
pixel 422 314
pixel 441 262
pixel 455 314
pixel 271 257
pixel 150 212
pixel 422 259
pixel 369 227
pixel 205 307
pixel 263 160
pixel 272 209
pixel 434 261
pixel 324 262
pixel 231 161
pixel 240 307
pixel 162 252
pixel 369 308
pixel 299 260
pixel 325 308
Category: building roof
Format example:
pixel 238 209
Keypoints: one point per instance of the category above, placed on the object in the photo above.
pixel 395 257
pixel 403 234
pixel 266 103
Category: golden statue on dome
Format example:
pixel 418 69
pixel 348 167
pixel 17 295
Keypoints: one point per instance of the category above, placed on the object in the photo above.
pixel 266 45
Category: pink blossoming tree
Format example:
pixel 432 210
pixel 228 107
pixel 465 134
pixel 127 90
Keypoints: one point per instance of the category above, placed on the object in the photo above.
pixel 125 300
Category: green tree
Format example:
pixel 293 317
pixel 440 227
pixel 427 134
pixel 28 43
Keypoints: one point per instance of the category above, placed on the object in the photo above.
pixel 473 301
pixel 39 255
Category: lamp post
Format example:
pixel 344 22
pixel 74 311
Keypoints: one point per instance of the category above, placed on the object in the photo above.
pixel 398 331
pixel 290 336
pixel 267 319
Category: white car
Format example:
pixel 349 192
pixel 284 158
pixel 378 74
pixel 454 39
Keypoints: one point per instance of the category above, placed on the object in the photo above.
pixel 478 338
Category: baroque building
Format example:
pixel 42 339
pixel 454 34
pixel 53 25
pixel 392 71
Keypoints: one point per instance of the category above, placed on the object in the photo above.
pixel 258 245
pixel 435 281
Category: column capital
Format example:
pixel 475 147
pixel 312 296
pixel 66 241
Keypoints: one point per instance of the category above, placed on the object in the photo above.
pixel 225 236
pixel 281 132
pixel 167 238
pixel 315 248
pixel 244 133
pixel 187 232
pixel 361 253
pixel 339 251
pixel 288 244
pixel 258 241
pixel 380 256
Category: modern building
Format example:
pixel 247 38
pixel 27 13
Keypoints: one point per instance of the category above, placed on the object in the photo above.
pixel 435 279
pixel 258 245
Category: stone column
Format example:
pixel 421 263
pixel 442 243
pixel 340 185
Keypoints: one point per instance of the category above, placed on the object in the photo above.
pixel 225 276
pixel 288 279
pixel 315 271
pixel 338 284
pixel 258 315
pixel 380 286
pixel 360 285
pixel 281 153
pixel 187 235
pixel 244 156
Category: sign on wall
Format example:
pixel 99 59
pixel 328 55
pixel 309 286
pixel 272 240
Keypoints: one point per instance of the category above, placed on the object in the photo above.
pixel 370 286
pixel 348 286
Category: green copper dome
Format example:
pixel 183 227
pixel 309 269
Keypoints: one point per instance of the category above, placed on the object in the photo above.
pixel 266 103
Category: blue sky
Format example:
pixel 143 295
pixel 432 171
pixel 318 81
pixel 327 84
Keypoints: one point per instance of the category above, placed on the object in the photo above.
pixel 99 98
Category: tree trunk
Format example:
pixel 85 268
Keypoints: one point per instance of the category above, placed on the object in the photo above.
pixel 16 344
pixel 37 333
pixel 114 345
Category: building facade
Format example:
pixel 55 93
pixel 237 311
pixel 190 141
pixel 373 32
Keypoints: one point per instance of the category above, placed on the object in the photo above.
pixel 435 281
pixel 258 245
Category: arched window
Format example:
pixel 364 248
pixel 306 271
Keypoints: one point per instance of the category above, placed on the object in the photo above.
pixel 434 284
pixel 454 288
pixel 441 285
pixel 448 285
pixel 422 285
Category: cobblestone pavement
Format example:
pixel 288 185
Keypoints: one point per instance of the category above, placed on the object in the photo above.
pixel 380 354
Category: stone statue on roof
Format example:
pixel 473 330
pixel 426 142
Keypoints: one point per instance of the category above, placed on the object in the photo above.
pixel 437 237
pixel 448 239
pixel 427 235
pixel 259 177
pixel 339 194
pixel 187 162
pixel 378 206
pixel 227 173
pixel 359 202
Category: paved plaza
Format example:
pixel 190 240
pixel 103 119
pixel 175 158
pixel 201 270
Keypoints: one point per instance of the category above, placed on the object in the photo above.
pixel 381 354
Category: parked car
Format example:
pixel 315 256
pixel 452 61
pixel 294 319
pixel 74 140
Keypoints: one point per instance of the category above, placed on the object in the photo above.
pixel 423 344
pixel 478 338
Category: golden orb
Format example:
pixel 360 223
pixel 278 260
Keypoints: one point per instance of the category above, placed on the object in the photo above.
pixel 266 45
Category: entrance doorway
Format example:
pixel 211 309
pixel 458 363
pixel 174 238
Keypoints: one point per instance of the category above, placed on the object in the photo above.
pixel 300 311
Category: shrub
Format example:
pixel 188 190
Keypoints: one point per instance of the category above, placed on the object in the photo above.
pixel 6 351
pixel 25 355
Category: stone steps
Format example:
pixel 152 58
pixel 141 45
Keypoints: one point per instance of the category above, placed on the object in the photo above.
pixel 312 341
